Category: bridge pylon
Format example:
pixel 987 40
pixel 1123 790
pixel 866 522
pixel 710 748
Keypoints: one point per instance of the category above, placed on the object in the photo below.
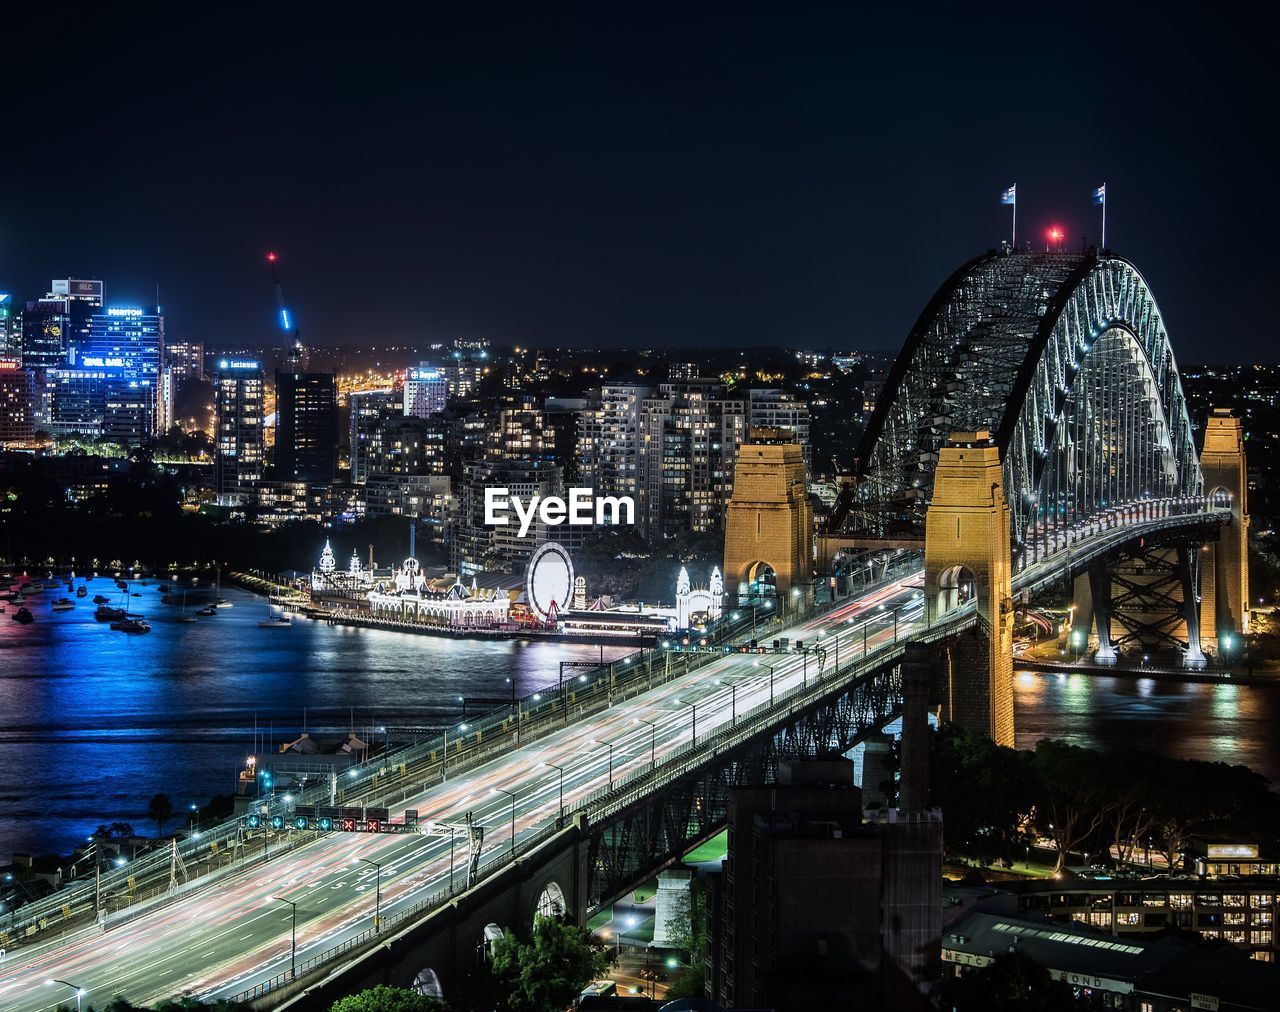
pixel 967 553
pixel 1224 573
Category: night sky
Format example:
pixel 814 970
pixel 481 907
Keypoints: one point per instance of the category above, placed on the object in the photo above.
pixel 636 176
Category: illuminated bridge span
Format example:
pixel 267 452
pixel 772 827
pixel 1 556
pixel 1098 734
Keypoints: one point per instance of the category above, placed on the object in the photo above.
pixel 1033 419
pixel 1032 432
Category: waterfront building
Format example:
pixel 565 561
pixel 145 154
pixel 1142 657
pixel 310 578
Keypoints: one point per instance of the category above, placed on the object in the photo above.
pixel 306 446
pixel 239 427
pixel 476 546
pixel 426 498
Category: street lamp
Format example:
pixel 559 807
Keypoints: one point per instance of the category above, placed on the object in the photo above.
pixel 733 695
pixel 609 746
pixel 685 702
pixel 769 667
pixel 499 790
pixel 293 935
pixel 377 892
pixel 560 770
pixel 653 740
pixel 78 990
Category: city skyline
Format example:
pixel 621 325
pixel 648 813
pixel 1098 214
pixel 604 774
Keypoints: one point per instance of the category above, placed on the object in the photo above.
pixel 604 181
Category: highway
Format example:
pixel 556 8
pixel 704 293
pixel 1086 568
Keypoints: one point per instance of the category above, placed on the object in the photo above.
pixel 223 940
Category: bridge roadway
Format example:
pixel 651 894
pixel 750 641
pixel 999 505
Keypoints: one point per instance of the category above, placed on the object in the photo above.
pixel 222 941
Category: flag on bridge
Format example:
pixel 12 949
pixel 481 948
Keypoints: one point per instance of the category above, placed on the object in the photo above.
pixel 1009 195
pixel 1100 199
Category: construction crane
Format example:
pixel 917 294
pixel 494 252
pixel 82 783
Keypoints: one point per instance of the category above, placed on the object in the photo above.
pixel 294 352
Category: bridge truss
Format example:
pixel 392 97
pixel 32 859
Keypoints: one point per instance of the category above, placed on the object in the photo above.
pixel 1065 359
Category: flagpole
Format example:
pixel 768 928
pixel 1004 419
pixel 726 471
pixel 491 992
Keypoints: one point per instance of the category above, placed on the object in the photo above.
pixel 1014 238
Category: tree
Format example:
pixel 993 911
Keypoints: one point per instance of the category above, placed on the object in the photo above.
pixel 389 999
pixel 160 809
pixel 1072 800
pixel 1011 983
pixel 550 969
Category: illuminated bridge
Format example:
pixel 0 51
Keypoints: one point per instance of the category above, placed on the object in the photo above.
pixel 1032 435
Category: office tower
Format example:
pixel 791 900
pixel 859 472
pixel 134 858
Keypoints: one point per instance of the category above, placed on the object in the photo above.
pixel 306 427
pixel 55 327
pixel 779 409
pixel 128 340
pixel 563 418
pixel 609 439
pixel 238 390
pixel 10 328
pixel 185 360
pixel 368 409
pixel 20 395
pixel 426 389
pixel 689 437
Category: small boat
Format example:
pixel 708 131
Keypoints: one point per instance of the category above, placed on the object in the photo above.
pixel 63 604
pixel 208 610
pixel 163 588
pixel 166 599
pixel 19 598
pixel 24 616
pixel 101 599
pixel 276 619
pixel 131 625
pixel 82 591
pixel 185 616
pixel 136 593
pixel 106 613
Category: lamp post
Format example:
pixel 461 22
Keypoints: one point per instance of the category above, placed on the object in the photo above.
pixel 560 770
pixel 694 707
pixel 377 892
pixel 769 668
pixel 653 740
pixel 499 790
pixel 733 696
pixel 293 935
pixel 609 746
pixel 78 990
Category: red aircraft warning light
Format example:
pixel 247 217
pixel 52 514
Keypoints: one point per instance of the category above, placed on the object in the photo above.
pixel 271 258
pixel 1056 235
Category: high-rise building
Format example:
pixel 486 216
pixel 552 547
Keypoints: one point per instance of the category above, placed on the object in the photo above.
pixel 239 455
pixel 55 327
pixel 778 409
pixel 185 360
pixel 426 389
pixel 368 410
pixel 306 426
pixel 521 435
pixel 609 439
pixel 402 445
pixel 10 328
pixel 689 437
pixel 20 395
pixel 129 339
pixel 475 546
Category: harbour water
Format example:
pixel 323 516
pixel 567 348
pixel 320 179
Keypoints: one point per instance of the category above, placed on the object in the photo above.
pixel 94 722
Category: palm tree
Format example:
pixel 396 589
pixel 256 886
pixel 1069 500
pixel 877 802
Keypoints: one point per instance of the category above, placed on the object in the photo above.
pixel 160 809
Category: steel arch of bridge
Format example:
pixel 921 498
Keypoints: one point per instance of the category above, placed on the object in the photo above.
pixel 1065 359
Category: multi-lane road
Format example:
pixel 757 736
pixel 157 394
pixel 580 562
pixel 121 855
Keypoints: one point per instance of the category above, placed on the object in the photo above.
pixel 229 937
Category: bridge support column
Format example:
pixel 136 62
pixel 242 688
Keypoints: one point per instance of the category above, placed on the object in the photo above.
pixel 1194 657
pixel 967 546
pixel 1226 483
pixel 1100 594
pixel 1080 635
